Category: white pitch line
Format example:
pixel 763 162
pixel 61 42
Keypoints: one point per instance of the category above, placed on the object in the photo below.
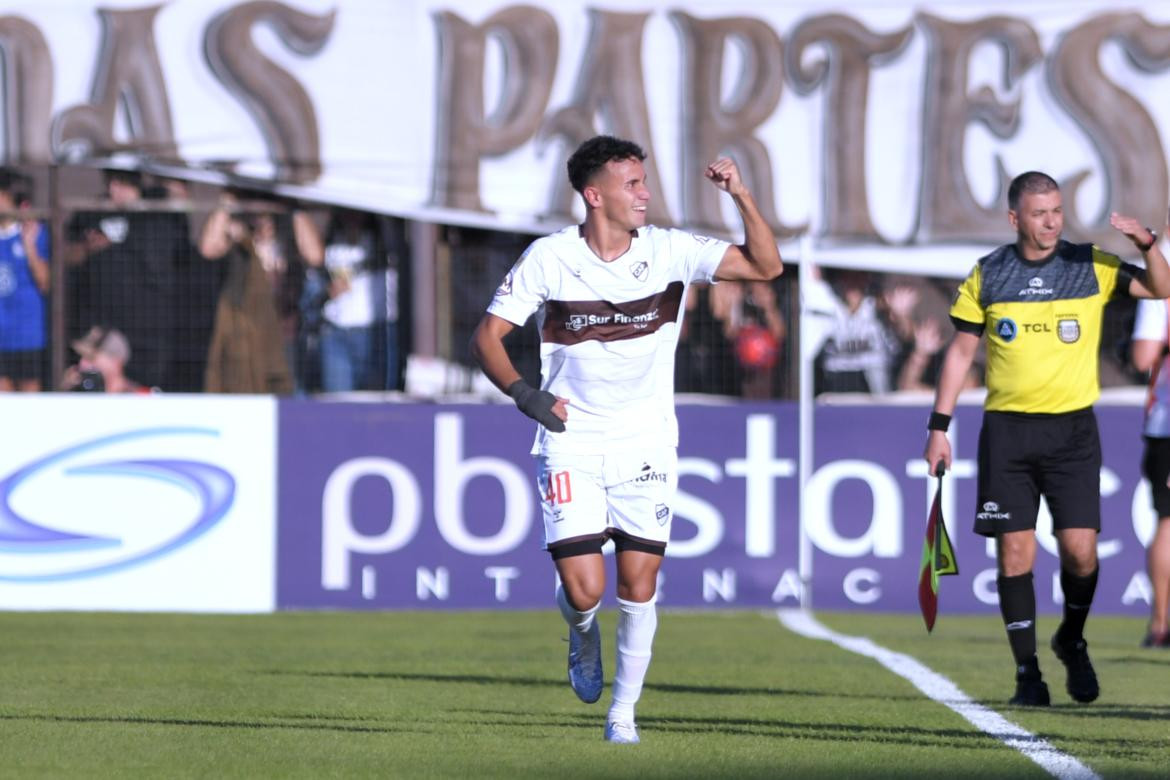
pixel 940 689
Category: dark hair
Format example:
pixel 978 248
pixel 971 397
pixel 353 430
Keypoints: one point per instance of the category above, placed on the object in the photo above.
pixel 1033 182
pixel 9 180
pixel 133 178
pixel 592 156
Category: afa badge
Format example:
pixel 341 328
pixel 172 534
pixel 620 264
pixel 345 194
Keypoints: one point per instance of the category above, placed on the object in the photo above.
pixel 1006 329
pixel 1068 331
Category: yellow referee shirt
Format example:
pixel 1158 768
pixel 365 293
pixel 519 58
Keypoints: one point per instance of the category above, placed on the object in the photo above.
pixel 1043 323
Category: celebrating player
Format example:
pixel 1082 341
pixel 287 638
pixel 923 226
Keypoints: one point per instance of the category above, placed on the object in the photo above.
pixel 608 297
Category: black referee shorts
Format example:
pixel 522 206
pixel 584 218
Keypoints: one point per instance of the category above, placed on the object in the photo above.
pixel 1025 456
pixel 1156 468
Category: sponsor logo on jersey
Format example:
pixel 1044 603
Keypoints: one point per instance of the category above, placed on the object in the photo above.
pixel 650 476
pixel 1035 287
pixel 1068 331
pixel 577 321
pixel 571 322
pixel 640 270
pixel 1006 329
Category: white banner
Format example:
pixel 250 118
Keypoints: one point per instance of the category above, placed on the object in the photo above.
pixel 888 130
pixel 134 503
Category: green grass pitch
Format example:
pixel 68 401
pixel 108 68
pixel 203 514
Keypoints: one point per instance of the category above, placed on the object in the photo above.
pixel 483 694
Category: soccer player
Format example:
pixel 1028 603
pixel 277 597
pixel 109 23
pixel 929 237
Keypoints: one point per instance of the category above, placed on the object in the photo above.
pixel 608 296
pixel 1150 331
pixel 1040 302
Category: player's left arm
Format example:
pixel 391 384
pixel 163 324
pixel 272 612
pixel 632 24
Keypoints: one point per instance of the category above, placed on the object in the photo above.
pixel 1155 283
pixel 758 257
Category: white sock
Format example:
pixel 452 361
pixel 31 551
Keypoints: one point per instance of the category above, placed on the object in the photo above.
pixel 635 635
pixel 578 620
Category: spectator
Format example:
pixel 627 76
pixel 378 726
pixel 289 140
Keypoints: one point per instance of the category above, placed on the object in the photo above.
pixel 705 359
pixel 123 273
pixel 859 348
pixel 196 288
pixel 247 352
pixel 24 283
pixel 104 354
pixel 920 365
pixel 288 244
pixel 752 322
pixel 359 339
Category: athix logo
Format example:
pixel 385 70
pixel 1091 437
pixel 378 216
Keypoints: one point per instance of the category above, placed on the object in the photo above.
pixel 1035 287
pixel 991 511
pixel 85 538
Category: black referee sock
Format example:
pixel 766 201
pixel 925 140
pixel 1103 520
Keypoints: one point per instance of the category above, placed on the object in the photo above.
pixel 1078 598
pixel 1017 604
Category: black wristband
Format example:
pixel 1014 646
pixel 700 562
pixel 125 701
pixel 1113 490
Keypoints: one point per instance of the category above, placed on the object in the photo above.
pixel 537 404
pixel 938 422
pixel 1149 246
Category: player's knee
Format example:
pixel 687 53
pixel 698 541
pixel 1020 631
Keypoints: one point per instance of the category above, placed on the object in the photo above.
pixel 583 593
pixel 638 592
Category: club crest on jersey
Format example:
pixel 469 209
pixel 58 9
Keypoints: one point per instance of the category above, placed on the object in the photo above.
pixel 1068 331
pixel 640 270
pixel 662 513
pixel 505 287
pixel 1006 329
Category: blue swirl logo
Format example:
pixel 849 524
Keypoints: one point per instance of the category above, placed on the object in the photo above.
pixel 177 501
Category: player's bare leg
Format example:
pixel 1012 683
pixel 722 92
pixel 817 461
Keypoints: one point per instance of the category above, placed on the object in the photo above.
pixel 579 596
pixel 637 622
pixel 1159 567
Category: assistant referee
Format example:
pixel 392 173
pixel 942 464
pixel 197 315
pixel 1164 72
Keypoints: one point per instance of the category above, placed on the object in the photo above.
pixel 1041 303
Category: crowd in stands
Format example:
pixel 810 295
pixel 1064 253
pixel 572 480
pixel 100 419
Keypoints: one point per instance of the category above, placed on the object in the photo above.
pixel 248 292
pixel 253 294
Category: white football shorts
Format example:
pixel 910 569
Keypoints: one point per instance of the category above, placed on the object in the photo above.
pixel 627 496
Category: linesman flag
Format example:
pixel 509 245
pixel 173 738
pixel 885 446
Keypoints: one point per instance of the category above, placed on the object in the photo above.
pixel 937 556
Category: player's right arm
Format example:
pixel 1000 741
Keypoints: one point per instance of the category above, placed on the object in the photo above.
pixel 487 347
pixel 953 374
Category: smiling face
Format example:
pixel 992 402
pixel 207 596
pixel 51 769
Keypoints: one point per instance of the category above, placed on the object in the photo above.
pixel 1038 221
pixel 618 194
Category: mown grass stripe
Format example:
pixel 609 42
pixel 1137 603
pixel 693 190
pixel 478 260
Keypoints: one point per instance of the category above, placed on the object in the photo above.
pixel 940 689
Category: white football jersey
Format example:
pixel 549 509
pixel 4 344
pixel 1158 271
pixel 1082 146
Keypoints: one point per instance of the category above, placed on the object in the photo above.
pixel 608 332
pixel 1151 325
